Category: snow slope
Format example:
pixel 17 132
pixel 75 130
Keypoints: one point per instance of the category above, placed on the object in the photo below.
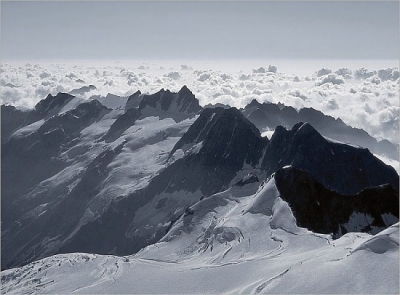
pixel 241 241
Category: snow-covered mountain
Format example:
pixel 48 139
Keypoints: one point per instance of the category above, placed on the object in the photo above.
pixel 243 240
pixel 159 176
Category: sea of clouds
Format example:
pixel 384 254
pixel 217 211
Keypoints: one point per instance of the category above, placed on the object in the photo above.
pixel 362 97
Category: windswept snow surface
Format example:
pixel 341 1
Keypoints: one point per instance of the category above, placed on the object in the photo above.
pixel 242 240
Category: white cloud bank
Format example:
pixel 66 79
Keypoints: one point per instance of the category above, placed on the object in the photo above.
pixel 361 97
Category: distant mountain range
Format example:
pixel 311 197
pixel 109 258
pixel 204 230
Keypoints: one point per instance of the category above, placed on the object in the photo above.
pixel 79 176
pixel 268 116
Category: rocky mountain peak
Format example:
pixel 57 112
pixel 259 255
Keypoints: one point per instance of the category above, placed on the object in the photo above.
pixel 184 89
pixel 133 100
pixel 73 121
pixel 162 98
pixel 340 167
pixel 47 107
pixel 225 136
pixel 269 116
pixel 187 101
pixel 122 123
pixel 305 130
pixel 11 119
pixel 254 103
pixel 179 105
pixel 50 102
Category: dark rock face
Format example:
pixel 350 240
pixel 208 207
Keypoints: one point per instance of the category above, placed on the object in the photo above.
pixel 342 168
pixel 108 234
pixel 48 106
pixel 133 100
pixel 226 137
pixel 50 102
pixel 324 211
pixel 186 106
pixel 57 130
pixel 187 101
pixel 31 159
pixel 57 223
pixel 73 121
pixel 179 106
pixel 199 129
pixel 122 123
pixel 11 119
pixel 336 128
pixel 164 97
pixel 269 115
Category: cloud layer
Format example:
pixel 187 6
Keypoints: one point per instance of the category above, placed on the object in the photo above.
pixel 362 98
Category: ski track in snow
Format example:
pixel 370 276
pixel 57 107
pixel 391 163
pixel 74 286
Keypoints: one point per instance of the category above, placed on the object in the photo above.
pixel 261 287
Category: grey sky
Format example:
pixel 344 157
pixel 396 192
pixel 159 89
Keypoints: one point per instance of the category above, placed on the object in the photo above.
pixel 199 30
